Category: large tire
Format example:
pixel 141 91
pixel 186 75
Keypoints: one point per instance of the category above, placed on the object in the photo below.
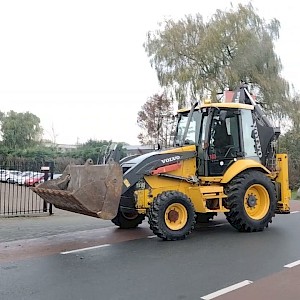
pixel 172 216
pixel 251 200
pixel 128 220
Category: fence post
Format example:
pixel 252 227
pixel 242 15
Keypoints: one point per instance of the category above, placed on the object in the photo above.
pixel 51 165
pixel 48 170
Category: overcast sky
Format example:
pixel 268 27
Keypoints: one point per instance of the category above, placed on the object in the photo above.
pixel 80 66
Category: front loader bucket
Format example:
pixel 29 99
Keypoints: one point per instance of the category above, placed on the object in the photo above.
pixel 93 190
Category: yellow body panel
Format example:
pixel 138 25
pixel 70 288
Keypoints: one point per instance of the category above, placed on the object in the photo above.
pixel 188 169
pixel 229 105
pixel 198 194
pixel 211 179
pixel 283 180
pixel 240 166
pixel 195 195
pixel 221 105
pixel 160 184
pixel 182 149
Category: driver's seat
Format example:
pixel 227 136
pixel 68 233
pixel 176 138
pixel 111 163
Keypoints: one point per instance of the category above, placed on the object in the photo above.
pixel 222 139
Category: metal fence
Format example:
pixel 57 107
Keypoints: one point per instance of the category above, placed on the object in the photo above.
pixel 16 198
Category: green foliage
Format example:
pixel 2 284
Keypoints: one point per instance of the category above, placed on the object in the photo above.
pixel 91 149
pixel 294 195
pixel 33 158
pixel 37 153
pixel 96 150
pixel 290 143
pixel 20 130
pixel 193 57
pixel 91 144
pixel 293 110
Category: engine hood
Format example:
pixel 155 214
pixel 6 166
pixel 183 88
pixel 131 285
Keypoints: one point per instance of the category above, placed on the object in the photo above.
pixel 138 159
pixel 136 168
pixel 155 158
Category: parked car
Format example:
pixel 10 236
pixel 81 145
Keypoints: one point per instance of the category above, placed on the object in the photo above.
pixel 4 175
pixel 25 175
pixel 12 176
pixel 34 180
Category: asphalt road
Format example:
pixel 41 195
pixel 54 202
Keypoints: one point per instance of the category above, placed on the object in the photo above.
pixel 116 264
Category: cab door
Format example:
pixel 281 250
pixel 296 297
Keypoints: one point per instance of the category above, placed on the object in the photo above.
pixel 221 140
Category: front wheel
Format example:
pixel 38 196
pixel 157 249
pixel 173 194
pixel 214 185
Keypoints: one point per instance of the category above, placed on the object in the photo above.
pixel 128 220
pixel 172 216
pixel 251 200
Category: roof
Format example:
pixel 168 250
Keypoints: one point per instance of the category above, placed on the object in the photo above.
pixel 221 105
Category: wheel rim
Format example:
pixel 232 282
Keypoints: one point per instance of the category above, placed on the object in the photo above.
pixel 256 202
pixel 176 216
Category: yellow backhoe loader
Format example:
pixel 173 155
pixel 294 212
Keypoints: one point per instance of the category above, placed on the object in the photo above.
pixel 223 160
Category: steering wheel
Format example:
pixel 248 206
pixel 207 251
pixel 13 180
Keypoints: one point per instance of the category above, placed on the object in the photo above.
pixel 229 149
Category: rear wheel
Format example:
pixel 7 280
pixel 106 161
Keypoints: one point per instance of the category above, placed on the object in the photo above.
pixel 251 200
pixel 128 220
pixel 172 216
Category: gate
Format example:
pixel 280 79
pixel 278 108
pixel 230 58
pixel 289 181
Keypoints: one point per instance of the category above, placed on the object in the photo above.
pixel 16 197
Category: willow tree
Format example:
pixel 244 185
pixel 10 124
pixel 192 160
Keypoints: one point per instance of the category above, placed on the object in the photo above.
pixel 294 109
pixel 193 57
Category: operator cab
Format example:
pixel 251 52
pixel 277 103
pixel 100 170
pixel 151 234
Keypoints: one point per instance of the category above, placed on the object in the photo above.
pixel 222 133
pixel 192 132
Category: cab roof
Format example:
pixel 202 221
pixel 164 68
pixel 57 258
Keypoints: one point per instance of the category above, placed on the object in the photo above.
pixel 220 105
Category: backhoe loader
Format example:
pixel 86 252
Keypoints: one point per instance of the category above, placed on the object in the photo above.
pixel 223 160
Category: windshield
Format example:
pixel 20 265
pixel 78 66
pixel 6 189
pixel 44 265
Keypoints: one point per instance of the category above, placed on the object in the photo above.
pixel 192 136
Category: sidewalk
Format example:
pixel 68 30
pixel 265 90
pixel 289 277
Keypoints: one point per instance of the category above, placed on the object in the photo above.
pixel 27 227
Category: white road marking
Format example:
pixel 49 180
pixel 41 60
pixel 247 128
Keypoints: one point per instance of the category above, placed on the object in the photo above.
pixel 293 264
pixel 226 290
pixel 151 236
pixel 84 249
pixel 294 212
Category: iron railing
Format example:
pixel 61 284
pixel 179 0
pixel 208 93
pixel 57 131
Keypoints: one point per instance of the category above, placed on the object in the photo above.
pixel 16 197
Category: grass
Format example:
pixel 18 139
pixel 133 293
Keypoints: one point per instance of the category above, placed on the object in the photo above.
pixel 294 195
